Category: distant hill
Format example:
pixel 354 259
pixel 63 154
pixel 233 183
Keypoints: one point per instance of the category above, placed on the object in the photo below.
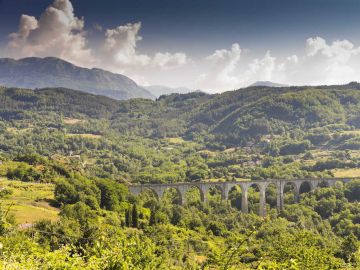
pixel 158 90
pixel 268 84
pixel 36 72
pixel 233 118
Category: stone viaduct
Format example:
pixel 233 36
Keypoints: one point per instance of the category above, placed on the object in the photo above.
pixel 225 188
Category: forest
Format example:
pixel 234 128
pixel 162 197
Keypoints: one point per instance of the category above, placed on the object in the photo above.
pixel 67 158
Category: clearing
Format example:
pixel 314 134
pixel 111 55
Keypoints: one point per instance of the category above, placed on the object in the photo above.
pixel 346 172
pixel 28 202
pixel 72 121
pixel 85 135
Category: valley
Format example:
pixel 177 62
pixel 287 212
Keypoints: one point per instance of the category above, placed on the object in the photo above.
pixel 68 159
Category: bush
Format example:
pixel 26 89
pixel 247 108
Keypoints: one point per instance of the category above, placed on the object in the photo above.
pixel 295 148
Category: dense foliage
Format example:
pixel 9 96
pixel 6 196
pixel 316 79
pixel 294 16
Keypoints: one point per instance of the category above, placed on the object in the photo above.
pixel 89 148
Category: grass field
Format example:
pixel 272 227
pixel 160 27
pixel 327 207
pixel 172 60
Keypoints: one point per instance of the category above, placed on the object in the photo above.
pixel 84 135
pixel 175 140
pixel 29 202
pixel 346 172
pixel 352 132
pixel 72 121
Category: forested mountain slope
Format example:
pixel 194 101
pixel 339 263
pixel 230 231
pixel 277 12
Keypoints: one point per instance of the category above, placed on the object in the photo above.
pixel 233 117
pixel 189 137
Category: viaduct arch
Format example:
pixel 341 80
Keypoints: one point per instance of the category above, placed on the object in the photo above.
pixel 225 188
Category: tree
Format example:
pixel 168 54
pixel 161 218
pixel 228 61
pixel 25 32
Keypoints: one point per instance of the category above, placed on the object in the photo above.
pixel 135 217
pixel 109 196
pixel 127 218
pixel 66 193
pixel 348 248
pixel 352 191
pixel 152 219
pixel 3 223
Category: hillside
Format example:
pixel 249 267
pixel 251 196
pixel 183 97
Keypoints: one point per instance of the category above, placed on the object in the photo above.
pixel 191 136
pixel 67 157
pixel 233 118
pixel 53 72
pixel 256 111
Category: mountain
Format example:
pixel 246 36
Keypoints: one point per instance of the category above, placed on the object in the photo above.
pixel 159 90
pixel 36 72
pixel 268 84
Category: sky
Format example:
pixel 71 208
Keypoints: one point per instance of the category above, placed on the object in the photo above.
pixel 210 45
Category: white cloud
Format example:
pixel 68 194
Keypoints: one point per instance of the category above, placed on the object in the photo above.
pixel 221 64
pixel 324 63
pixel 260 69
pixel 26 25
pixel 120 44
pixel 226 71
pixel 169 61
pixel 339 51
pixel 58 32
pixel 120 50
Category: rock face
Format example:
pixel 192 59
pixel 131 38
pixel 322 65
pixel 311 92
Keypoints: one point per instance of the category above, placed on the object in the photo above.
pixel 36 72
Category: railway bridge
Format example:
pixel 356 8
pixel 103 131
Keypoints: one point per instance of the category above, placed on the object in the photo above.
pixel 226 187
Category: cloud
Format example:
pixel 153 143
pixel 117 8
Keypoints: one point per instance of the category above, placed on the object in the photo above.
pixel 222 64
pixel 19 39
pixel 226 71
pixel 120 48
pixel 169 61
pixel 324 63
pixel 261 69
pixel 120 44
pixel 58 32
pixel 320 62
pixel 339 51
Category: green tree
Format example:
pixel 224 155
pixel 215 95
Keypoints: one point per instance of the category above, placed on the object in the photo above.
pixel 352 191
pixel 135 217
pixel 152 220
pixel 127 218
pixel 348 248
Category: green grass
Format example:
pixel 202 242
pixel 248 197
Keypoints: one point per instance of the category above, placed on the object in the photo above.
pixel 346 172
pixel 176 140
pixel 72 121
pixel 85 135
pixel 29 202
pixel 351 132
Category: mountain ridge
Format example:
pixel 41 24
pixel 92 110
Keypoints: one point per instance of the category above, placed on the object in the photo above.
pixel 48 72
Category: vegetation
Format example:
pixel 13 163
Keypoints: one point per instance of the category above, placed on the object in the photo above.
pixel 67 157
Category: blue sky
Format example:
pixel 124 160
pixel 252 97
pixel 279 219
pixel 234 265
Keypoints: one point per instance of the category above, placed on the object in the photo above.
pixel 267 33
